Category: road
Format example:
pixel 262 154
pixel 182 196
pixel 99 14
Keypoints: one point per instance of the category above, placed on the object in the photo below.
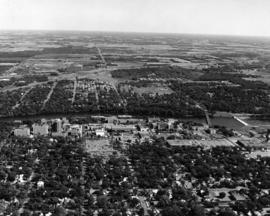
pixel 101 56
pixel 83 167
pixel 203 108
pixel 74 90
pixel 49 95
pixel 23 96
pixel 97 98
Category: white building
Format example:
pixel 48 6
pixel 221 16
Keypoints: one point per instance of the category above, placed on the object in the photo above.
pixel 22 131
pixel 41 130
pixel 101 132
pixel 120 127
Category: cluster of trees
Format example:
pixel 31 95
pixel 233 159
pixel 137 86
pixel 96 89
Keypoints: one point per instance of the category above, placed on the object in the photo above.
pixel 109 101
pixel 111 181
pixel 180 103
pixel 85 98
pixel 70 50
pixel 59 168
pixel 152 165
pixel 165 72
pixel 235 78
pixel 9 99
pixel 174 105
pixel 33 101
pixel 77 182
pixel 15 162
pixel 5 128
pixel 51 172
pixel 155 164
pixel 226 98
pixel 60 100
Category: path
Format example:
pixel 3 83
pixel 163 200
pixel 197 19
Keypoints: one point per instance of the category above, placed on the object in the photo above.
pixel 49 95
pixel 82 209
pixel 123 101
pixel 143 204
pixel 97 98
pixel 101 56
pixel 204 109
pixel 21 210
pixel 74 90
pixel 23 96
pixel 240 120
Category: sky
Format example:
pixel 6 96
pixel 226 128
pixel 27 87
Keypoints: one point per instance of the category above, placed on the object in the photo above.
pixel 228 17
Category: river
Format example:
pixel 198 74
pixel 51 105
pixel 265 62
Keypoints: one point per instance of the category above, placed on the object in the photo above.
pixel 228 122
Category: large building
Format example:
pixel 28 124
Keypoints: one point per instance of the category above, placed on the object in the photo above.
pixel 56 128
pixel 22 131
pixel 41 129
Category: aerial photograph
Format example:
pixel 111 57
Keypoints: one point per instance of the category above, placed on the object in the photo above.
pixel 134 108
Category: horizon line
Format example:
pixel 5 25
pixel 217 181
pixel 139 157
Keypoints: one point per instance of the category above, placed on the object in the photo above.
pixel 137 32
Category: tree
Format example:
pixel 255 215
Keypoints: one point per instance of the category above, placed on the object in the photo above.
pixel 172 211
pixel 226 212
pixel 222 195
pixel 59 211
pixel 102 201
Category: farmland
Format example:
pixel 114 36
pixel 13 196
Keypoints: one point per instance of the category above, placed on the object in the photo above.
pixel 113 73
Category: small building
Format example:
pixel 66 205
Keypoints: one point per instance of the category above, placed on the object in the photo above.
pixel 120 127
pixel 162 126
pixel 171 123
pixel 101 132
pixel 75 130
pixel 22 131
pixel 253 143
pixel 112 120
pixel 212 131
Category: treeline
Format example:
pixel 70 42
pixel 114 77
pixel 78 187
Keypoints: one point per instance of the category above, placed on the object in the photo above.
pixel 166 72
pixel 235 78
pixel 226 98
